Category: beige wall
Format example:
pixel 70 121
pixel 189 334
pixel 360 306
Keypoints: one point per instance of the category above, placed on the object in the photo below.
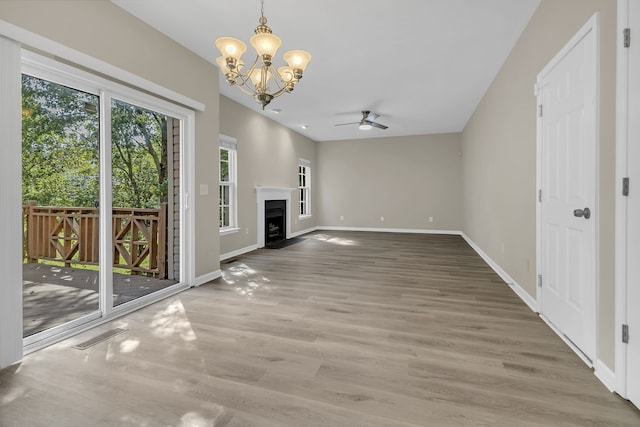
pixel 268 156
pixel 499 153
pixel 406 180
pixel 106 32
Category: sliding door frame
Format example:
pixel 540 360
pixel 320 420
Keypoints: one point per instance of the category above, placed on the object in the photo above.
pixel 61 73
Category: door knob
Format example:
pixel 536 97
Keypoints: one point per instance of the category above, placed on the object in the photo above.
pixel 586 213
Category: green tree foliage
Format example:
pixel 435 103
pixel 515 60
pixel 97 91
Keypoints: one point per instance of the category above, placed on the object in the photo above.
pixel 139 151
pixel 60 149
pixel 224 165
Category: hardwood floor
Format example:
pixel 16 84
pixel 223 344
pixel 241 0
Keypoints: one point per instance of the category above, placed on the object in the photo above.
pixel 342 329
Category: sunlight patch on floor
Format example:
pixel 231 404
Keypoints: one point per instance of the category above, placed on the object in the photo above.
pixel 109 354
pixel 134 420
pixel 208 416
pixel 17 392
pixel 236 273
pixel 172 320
pixel 193 419
pixel 335 240
pixel 250 289
pixel 122 323
pixel 239 275
pixel 129 345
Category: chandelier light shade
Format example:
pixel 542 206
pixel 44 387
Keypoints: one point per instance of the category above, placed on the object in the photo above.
pixel 255 80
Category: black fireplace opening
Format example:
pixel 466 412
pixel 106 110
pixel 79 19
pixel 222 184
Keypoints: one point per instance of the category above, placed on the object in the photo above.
pixel 275 212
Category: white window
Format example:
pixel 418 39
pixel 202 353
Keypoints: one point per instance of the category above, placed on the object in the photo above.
pixel 228 209
pixel 304 185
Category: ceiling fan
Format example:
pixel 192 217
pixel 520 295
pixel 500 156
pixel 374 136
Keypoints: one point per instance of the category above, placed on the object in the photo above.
pixel 367 121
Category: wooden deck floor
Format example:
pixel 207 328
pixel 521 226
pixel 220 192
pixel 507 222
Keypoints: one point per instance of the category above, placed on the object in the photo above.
pixel 54 295
pixel 343 329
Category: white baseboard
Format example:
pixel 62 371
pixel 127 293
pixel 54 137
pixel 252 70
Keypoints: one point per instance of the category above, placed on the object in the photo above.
pixel 329 228
pixel 201 280
pixel 524 296
pixel 568 342
pixel 515 287
pixel 238 252
pixel 301 232
pixel 605 375
pixel 247 249
pixel 601 371
pixel 388 230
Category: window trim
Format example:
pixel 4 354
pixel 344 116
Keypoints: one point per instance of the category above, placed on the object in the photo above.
pixel 303 163
pixel 231 145
pixel 95 65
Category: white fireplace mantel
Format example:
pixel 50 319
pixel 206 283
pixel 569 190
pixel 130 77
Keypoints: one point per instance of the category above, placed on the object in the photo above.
pixel 272 193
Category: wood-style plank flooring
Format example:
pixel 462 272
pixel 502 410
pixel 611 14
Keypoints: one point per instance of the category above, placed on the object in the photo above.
pixel 345 329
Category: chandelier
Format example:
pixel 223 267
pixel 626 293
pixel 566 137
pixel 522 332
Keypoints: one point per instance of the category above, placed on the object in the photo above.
pixel 255 80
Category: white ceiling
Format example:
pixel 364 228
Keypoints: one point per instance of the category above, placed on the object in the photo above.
pixel 423 65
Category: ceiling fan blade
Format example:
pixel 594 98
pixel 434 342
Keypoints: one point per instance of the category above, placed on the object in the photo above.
pixel 377 125
pixel 372 117
pixel 344 124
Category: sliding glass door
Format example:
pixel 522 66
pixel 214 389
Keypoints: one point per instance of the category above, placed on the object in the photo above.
pixel 144 202
pixel 60 190
pixel 102 183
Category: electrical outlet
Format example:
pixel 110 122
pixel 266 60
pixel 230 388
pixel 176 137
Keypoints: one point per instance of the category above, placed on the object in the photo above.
pixel 430 219
pixel 341 217
pixel 382 218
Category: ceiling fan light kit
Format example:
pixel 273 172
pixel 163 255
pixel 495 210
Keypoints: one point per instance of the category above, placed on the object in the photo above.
pixel 367 122
pixel 254 81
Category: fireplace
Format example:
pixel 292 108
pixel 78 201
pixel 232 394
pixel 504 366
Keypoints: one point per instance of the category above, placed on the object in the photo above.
pixel 274 221
pixel 263 195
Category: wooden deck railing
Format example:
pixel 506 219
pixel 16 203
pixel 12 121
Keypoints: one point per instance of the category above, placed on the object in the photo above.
pixel 71 235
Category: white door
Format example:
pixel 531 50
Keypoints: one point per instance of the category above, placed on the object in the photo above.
pixel 633 212
pixel 568 212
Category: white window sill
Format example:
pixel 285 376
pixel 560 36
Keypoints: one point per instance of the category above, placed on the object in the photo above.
pixel 228 230
pixel 301 217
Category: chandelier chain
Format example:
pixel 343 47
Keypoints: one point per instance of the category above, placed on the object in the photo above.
pixel 254 81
